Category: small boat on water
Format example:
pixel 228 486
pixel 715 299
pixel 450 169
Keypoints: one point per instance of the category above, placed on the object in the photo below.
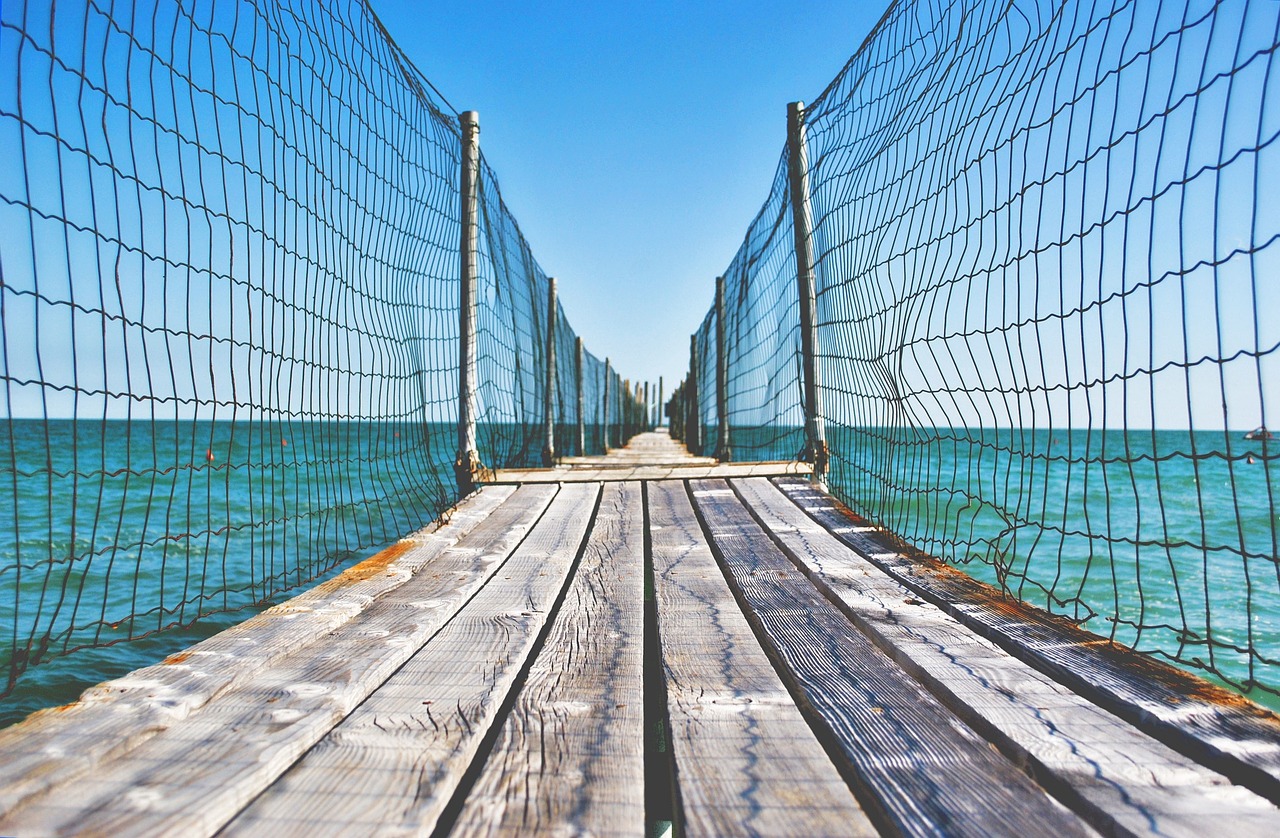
pixel 1260 433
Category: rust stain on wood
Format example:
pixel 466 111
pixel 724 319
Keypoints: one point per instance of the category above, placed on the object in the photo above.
pixel 374 565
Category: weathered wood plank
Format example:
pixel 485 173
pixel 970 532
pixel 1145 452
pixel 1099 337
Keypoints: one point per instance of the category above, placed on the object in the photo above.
pixel 55 746
pixel 649 472
pixel 1121 780
pixel 1210 724
pixel 747 763
pixel 920 769
pixel 673 452
pixel 393 764
pixel 633 460
pixel 191 778
pixel 568 760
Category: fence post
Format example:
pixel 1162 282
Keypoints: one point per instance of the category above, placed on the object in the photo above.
pixel 604 431
pixel 582 420
pixel 646 415
pixel 693 425
pixel 675 413
pixel 637 409
pixel 467 461
pixel 623 417
pixel 815 447
pixel 660 407
pixel 723 452
pixel 549 391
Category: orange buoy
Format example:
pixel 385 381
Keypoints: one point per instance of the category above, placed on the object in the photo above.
pixel 209 454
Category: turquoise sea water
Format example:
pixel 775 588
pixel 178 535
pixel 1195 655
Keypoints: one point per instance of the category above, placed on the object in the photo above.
pixel 112 531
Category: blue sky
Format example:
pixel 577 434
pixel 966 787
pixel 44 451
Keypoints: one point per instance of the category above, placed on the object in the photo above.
pixel 633 141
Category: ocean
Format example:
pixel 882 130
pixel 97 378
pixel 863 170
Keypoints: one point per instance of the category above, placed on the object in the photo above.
pixel 115 531
pixel 123 542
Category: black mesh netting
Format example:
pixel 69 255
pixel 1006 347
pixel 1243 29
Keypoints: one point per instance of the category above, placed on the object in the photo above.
pixel 229 274
pixel 1048 314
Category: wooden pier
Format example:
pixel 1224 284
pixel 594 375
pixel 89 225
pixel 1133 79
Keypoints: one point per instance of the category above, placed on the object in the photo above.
pixel 628 642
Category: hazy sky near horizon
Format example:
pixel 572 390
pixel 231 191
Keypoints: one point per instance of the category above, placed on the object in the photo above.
pixel 634 143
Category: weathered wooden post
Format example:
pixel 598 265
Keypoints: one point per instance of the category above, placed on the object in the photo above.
pixel 582 409
pixel 467 461
pixel 624 409
pixel 549 392
pixel 815 448
pixel 693 424
pixel 637 402
pixel 646 413
pixel 661 406
pixel 723 451
pixel 675 413
pixel 604 430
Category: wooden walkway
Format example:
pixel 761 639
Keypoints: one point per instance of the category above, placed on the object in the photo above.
pixel 634 640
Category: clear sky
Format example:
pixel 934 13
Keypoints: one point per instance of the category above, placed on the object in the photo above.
pixel 634 142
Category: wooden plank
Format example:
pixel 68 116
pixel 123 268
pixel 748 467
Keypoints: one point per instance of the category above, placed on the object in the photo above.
pixel 672 453
pixel 1121 780
pixel 191 778
pixel 568 760
pixel 54 746
pixel 649 472
pixel 648 456
pixel 920 770
pixel 393 764
pixel 747 763
pixel 636 462
pixel 1208 723
pixel 653 442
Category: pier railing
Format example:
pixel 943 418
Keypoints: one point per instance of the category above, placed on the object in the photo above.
pixel 230 292
pixel 1042 241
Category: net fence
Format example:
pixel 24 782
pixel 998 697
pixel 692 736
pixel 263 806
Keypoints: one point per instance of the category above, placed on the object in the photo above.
pixel 1047 310
pixel 229 290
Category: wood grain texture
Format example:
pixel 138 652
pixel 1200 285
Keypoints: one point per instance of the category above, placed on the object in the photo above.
pixel 191 778
pixel 1208 723
pixel 392 766
pixel 1121 780
pixel 568 761
pixel 747 763
pixel 920 769
pixel 55 746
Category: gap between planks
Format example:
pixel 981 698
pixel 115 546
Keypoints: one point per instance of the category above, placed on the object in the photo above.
pixel 53 747
pixel 396 762
pixel 918 769
pixel 193 777
pixel 746 760
pixel 1122 780
pixel 1212 725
